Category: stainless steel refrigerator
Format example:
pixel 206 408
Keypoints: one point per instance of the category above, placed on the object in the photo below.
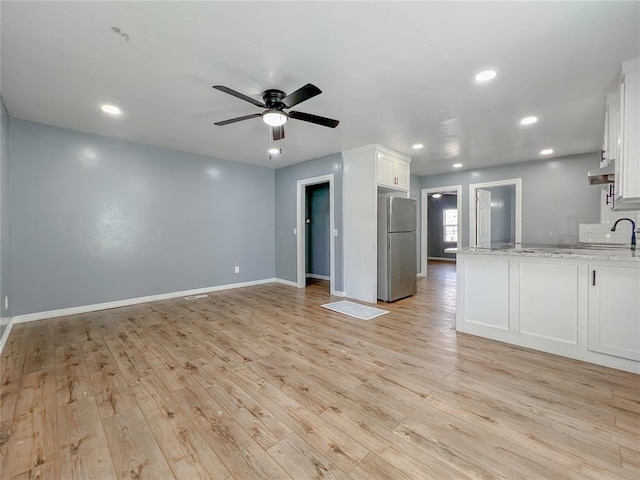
pixel 397 267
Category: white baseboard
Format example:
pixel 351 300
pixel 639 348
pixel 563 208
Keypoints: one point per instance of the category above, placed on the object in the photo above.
pixel 421 275
pixel 5 335
pixel 318 277
pixel 30 317
pixel 286 282
pixel 338 294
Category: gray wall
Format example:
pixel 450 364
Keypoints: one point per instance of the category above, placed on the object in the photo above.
pixel 556 196
pixel 503 214
pixel 286 179
pixel 317 238
pixel 5 232
pixel 436 243
pixel 96 219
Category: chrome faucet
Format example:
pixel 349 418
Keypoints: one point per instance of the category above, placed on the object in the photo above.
pixel 633 230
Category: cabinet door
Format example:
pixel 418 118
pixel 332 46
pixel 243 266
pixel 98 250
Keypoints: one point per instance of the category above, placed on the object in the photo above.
pixel 627 182
pixel 402 174
pixel 549 301
pixel 631 137
pixel 486 293
pixel 386 170
pixel 614 311
pixel 610 142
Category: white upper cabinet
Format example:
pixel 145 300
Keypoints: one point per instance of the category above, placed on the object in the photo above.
pixel 393 171
pixel 627 182
pixel 610 140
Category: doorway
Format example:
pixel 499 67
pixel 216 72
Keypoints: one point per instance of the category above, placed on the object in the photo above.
pixel 315 231
pixel 441 227
pixel 495 213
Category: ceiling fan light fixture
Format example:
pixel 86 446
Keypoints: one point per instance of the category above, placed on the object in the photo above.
pixel 274 118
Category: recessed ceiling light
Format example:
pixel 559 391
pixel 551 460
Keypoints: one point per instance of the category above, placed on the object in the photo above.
pixel 111 109
pixel 546 151
pixel 274 151
pixel 417 146
pixel 528 120
pixel 485 76
pixel 457 165
pixel 436 195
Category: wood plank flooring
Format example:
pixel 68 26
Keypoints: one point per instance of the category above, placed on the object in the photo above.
pixel 262 383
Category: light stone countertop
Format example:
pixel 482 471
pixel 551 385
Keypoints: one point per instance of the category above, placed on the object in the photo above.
pixel 579 252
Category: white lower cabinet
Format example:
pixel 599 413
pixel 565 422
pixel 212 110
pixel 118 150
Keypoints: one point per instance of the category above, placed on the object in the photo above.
pixel 486 296
pixel 555 305
pixel 548 305
pixel 614 303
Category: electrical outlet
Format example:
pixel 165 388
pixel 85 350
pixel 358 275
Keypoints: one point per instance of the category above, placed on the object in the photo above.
pixel 237 269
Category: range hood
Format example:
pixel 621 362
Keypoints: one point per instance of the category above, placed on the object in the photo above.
pixel 602 175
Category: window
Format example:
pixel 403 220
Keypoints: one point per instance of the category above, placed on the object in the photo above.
pixel 450 224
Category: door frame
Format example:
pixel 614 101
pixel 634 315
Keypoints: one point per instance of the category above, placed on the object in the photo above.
pixel 517 182
pixel 301 277
pixel 424 221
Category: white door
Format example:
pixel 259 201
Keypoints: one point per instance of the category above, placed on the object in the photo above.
pixel 483 218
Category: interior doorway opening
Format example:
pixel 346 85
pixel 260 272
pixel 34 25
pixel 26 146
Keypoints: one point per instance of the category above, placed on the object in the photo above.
pixel 315 231
pixel 441 230
pixel 495 213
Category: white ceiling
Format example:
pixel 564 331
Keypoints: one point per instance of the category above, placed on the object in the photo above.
pixel 393 73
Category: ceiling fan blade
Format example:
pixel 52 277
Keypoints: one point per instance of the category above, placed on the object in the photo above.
pixel 239 95
pixel 278 132
pixel 238 119
pixel 300 95
pixel 307 117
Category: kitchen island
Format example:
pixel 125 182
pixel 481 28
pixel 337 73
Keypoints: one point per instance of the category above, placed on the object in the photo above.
pixel 582 303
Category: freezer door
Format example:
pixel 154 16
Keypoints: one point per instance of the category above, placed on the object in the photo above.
pixel 402 214
pixel 402 272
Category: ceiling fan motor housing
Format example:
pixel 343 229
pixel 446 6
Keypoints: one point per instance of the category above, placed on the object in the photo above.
pixel 273 99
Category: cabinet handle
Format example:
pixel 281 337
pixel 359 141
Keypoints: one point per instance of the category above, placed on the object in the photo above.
pixel 593 278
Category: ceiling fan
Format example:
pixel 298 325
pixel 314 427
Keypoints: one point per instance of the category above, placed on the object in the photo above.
pixel 275 101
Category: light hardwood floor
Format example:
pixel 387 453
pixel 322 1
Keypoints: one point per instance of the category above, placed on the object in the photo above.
pixel 262 383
